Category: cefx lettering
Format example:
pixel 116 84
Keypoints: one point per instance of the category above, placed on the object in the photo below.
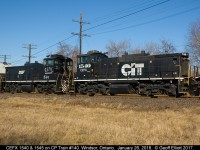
pixel 11 148
pixel 133 69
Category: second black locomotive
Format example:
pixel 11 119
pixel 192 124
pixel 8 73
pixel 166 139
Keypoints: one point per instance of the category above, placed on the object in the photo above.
pixel 53 76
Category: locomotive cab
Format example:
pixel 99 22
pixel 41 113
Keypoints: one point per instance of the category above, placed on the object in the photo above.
pixel 86 74
pixel 57 64
pixel 86 62
pixel 59 68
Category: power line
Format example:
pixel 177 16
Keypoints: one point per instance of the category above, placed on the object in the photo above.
pixel 116 13
pixel 53 45
pixel 151 21
pixel 101 25
pixel 159 12
pixel 119 12
pixel 127 15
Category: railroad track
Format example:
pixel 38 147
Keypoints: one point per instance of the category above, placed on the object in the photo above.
pixel 99 95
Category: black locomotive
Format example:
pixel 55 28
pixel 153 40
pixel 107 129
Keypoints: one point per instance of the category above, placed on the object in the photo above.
pixel 143 74
pixel 53 76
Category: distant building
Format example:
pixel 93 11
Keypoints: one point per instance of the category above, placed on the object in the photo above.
pixel 2 67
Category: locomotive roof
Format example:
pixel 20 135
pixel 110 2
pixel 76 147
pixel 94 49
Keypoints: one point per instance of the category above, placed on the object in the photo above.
pixel 26 64
pixel 93 52
pixel 143 55
pixel 173 54
pixel 157 55
pixel 57 56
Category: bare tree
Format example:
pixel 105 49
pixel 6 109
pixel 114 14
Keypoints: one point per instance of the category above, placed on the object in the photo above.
pixel 117 49
pixel 65 49
pixel 137 50
pixel 68 51
pixel 193 46
pixel 74 57
pixel 152 48
pixel 167 47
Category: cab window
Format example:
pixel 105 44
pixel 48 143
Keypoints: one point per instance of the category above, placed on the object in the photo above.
pixel 56 62
pixel 69 63
pixel 93 58
pixel 45 62
pixel 96 58
pixel 99 59
pixel 82 59
pixel 48 62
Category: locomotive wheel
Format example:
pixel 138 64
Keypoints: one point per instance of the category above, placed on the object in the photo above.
pixel 91 93
pixel 111 94
pixel 196 93
pixel 13 89
pixel 39 89
pixel 82 89
pixel 106 92
pixel 18 90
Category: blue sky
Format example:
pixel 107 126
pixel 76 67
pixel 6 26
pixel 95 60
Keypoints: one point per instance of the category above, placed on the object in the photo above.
pixel 46 22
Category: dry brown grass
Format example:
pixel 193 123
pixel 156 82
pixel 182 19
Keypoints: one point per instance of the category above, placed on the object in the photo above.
pixel 55 121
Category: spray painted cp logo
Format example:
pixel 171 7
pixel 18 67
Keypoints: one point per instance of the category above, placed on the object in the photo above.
pixel 133 69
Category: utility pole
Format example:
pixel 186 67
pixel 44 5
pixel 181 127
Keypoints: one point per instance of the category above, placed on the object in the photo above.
pixel 80 33
pixel 5 57
pixel 29 47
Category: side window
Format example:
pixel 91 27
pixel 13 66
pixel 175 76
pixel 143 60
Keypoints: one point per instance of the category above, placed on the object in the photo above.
pixel 79 60
pixel 56 62
pixel 175 61
pixel 93 58
pixel 45 62
pixel 99 59
pixel 48 62
pixel 83 59
pixel 69 63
